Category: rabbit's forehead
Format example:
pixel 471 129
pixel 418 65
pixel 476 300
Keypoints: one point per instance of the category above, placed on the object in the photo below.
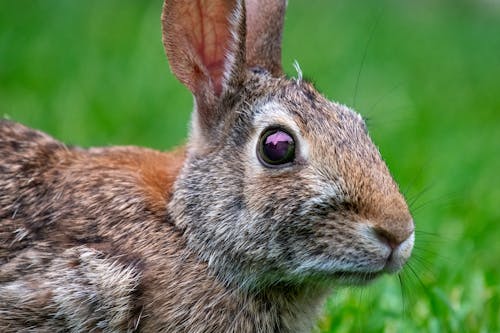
pixel 331 137
pixel 311 118
pixel 275 113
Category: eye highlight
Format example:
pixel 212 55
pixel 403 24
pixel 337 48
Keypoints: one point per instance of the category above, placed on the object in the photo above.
pixel 276 147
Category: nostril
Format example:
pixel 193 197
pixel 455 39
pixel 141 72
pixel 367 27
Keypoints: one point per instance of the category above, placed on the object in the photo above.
pixel 388 238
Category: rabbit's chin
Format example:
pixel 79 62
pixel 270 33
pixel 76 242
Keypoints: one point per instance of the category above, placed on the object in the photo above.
pixel 354 278
pixel 340 277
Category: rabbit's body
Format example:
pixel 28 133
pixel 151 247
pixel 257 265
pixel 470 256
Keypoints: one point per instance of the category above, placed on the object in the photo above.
pixel 278 196
pixel 76 248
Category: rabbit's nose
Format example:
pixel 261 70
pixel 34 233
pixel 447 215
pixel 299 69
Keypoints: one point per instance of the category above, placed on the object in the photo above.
pixel 401 245
pixel 394 237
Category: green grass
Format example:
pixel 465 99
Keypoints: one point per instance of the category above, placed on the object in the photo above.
pixel 94 73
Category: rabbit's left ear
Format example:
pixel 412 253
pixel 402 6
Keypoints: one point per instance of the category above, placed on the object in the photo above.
pixel 205 44
pixel 265 19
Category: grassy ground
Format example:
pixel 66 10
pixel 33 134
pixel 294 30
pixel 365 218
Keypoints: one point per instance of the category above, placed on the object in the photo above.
pixel 426 74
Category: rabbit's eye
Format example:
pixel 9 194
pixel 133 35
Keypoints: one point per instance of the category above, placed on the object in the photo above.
pixel 276 147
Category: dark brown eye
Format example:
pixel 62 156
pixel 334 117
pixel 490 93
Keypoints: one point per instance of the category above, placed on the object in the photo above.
pixel 276 147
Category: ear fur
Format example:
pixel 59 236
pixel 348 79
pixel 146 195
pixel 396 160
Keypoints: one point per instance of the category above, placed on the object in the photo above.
pixel 205 44
pixel 265 19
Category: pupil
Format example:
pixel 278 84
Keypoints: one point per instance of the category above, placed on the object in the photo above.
pixel 277 145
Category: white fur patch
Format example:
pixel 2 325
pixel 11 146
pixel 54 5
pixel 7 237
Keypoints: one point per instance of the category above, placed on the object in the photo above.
pixel 299 71
pixel 275 114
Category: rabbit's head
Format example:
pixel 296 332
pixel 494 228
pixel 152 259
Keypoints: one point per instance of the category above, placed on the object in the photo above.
pixel 280 184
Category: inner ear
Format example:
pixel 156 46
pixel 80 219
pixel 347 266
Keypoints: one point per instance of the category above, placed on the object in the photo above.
pixel 204 41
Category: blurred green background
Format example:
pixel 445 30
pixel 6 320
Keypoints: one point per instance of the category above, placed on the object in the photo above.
pixel 426 74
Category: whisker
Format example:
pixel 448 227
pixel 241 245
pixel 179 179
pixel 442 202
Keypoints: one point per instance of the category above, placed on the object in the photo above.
pixel 417 175
pixel 425 267
pixel 410 297
pixel 359 324
pixel 403 300
pixel 384 96
pixel 363 59
pixel 440 200
pixel 427 233
pixel 412 200
pixel 415 275
pixel 422 261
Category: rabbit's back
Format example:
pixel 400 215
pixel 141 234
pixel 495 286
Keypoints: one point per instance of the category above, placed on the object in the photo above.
pixel 70 196
pixel 76 227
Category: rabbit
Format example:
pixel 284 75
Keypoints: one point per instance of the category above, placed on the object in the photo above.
pixel 278 197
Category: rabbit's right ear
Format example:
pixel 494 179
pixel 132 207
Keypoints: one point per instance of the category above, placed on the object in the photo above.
pixel 265 19
pixel 205 44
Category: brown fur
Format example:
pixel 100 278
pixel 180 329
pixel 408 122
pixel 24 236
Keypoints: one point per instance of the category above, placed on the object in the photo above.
pixel 263 41
pixel 205 238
